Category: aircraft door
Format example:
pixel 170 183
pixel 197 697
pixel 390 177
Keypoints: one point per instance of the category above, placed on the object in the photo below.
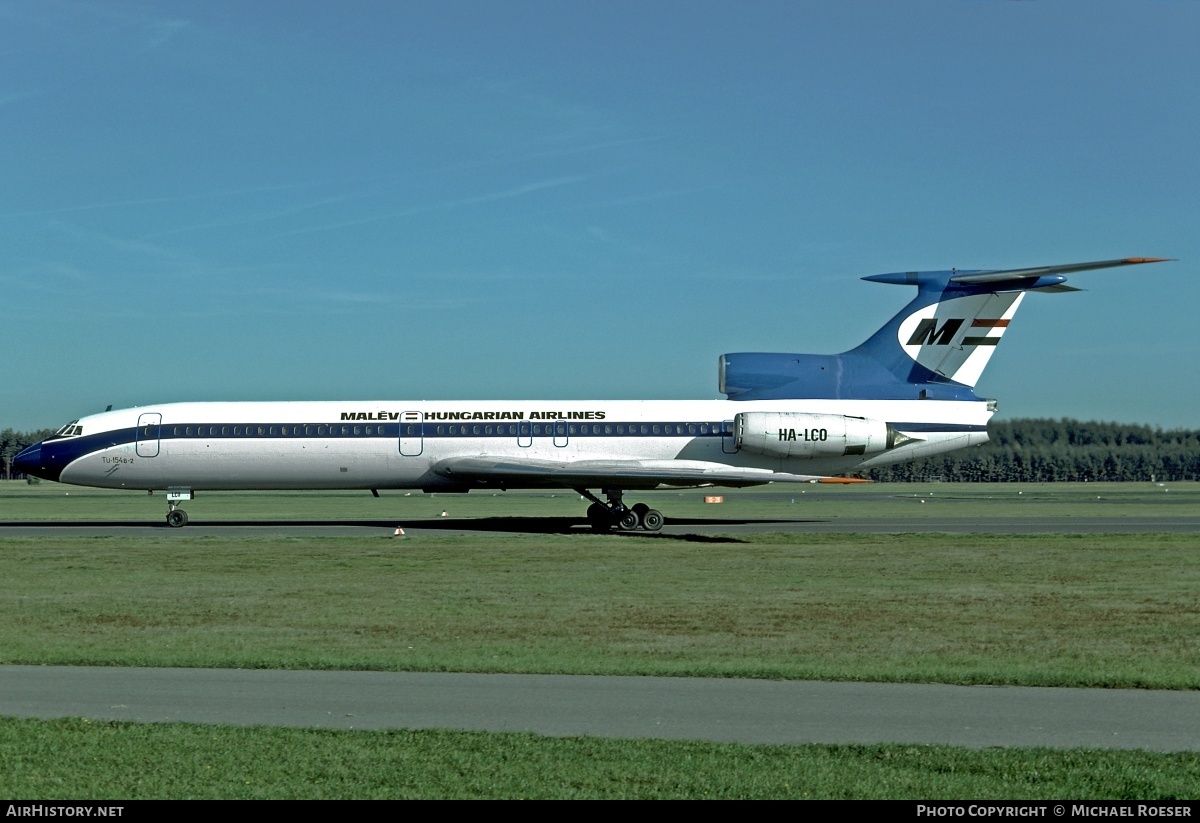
pixel 524 434
pixel 149 428
pixel 560 433
pixel 412 433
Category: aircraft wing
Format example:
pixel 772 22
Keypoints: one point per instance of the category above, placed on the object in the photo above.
pixel 502 472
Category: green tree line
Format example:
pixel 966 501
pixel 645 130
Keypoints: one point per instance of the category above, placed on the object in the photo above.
pixel 1027 450
pixel 1039 450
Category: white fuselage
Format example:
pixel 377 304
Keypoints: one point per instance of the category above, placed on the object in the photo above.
pixel 396 445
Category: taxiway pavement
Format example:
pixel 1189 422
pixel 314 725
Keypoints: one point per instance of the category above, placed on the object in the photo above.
pixel 676 529
pixel 732 710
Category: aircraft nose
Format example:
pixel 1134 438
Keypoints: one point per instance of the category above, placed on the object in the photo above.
pixel 29 461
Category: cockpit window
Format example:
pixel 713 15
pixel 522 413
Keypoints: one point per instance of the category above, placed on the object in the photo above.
pixel 72 429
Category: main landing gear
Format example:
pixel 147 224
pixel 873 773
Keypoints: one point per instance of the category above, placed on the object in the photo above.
pixel 603 516
pixel 176 517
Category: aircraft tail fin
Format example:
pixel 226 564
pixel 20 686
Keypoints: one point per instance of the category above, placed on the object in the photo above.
pixel 934 348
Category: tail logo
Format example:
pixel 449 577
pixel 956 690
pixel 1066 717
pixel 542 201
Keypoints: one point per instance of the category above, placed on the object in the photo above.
pixel 955 338
pixel 928 334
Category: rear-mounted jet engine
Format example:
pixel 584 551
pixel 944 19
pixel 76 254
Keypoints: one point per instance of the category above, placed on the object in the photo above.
pixel 796 434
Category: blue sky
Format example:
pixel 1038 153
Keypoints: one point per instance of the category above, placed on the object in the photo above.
pixel 538 200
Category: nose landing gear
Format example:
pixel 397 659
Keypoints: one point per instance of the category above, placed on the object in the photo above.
pixel 176 517
pixel 603 516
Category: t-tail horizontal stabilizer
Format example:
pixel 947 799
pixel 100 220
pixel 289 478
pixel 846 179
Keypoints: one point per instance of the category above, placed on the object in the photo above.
pixel 936 348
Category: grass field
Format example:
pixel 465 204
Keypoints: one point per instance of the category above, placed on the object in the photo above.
pixel 1057 610
pixel 1064 610
pixel 53 502
pixel 75 759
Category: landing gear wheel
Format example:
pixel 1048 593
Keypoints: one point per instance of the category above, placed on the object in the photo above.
pixel 603 516
pixel 599 517
pixel 176 518
pixel 652 520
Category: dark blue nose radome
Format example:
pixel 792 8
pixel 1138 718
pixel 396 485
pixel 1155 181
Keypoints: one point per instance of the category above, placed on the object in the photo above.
pixel 30 462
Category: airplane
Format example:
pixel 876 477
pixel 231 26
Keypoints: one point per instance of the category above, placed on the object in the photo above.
pixel 905 393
